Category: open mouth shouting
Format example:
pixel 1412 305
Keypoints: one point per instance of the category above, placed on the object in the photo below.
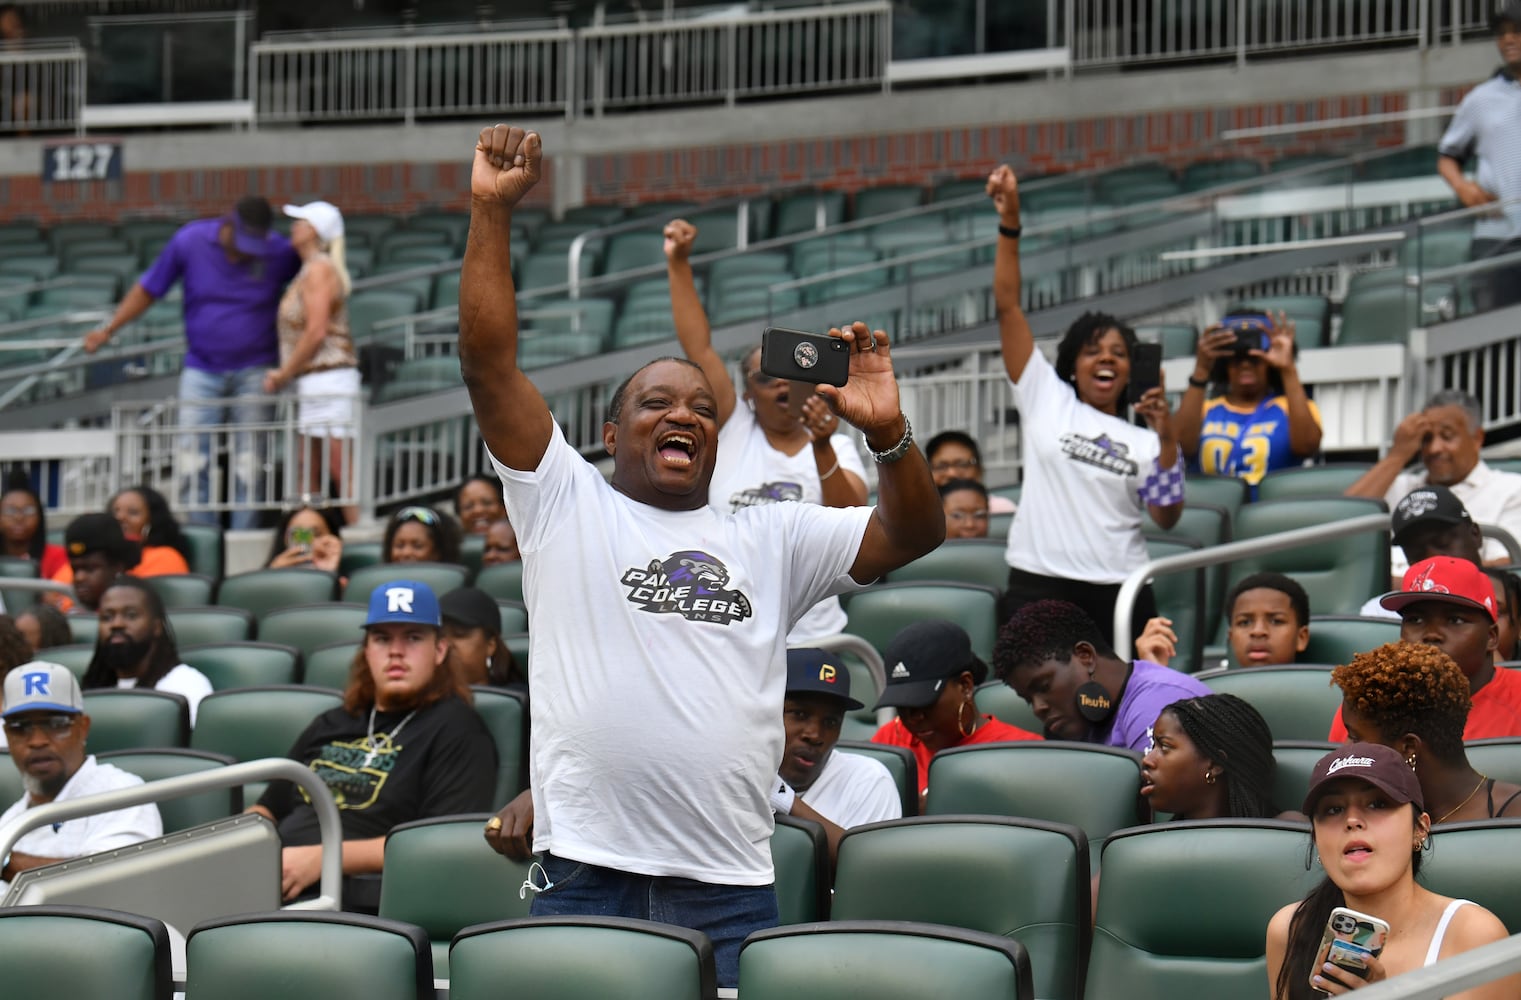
pixel 677 448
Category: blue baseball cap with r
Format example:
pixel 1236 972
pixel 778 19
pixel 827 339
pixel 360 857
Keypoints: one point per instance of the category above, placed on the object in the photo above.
pixel 403 602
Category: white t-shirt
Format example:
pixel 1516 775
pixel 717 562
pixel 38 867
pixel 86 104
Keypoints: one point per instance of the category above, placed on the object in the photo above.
pixel 182 680
pixel 74 838
pixel 657 660
pixel 1491 496
pixel 853 790
pixel 1079 514
pixel 750 472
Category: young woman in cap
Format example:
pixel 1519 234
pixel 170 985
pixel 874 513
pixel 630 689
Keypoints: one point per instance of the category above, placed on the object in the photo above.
pixel 317 350
pixel 1211 758
pixel 473 629
pixel 1370 830
pixel 1412 697
pixel 932 678
pixel 404 745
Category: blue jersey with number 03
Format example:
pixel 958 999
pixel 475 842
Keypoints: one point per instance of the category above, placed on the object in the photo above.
pixel 1246 443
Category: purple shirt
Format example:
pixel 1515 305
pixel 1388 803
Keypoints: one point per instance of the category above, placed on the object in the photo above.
pixel 1151 688
pixel 229 308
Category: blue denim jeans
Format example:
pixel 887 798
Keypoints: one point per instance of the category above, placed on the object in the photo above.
pixel 232 394
pixel 727 914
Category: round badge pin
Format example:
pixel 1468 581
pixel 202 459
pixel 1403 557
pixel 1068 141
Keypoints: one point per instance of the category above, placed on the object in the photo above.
pixel 806 355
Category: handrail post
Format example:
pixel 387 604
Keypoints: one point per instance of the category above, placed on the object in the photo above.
pixel 573 264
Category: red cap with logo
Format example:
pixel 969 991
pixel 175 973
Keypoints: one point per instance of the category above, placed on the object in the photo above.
pixel 1444 578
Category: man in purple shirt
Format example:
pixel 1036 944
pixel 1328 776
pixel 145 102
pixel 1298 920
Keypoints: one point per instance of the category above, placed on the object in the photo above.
pixel 234 270
pixel 1055 658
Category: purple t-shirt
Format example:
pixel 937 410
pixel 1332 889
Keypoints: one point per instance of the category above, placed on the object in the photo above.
pixel 1151 688
pixel 229 308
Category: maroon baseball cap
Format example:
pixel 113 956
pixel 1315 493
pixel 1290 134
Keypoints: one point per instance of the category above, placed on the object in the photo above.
pixel 1378 765
pixel 1444 578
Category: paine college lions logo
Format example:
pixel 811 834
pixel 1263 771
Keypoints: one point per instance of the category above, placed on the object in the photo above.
pixel 691 584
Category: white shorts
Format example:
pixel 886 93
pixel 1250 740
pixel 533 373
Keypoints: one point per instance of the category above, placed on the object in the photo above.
pixel 329 403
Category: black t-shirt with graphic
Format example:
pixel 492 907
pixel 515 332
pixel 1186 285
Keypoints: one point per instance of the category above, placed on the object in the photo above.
pixel 442 761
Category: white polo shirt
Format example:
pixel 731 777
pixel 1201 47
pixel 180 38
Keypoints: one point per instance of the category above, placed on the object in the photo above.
pixel 1491 496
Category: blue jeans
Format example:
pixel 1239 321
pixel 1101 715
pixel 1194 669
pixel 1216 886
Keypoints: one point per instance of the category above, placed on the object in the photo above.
pixel 196 452
pixel 727 914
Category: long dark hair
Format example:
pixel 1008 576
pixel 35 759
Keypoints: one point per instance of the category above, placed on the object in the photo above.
pixel 1309 923
pixel 162 527
pixel 448 681
pixel 1235 737
pixel 331 517
pixel 17 481
pixel 163 655
pixel 443 529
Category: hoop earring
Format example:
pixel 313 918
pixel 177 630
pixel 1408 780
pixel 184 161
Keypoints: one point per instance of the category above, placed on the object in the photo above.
pixel 1209 777
pixel 965 732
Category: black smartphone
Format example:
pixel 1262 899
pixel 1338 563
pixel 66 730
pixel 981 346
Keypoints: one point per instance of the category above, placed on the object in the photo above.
pixel 1145 370
pixel 804 357
pixel 1253 330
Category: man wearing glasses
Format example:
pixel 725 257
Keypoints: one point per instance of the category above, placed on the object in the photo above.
pixel 46 730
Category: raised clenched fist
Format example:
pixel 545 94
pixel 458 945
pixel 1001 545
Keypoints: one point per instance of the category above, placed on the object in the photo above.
pixel 507 163
pixel 1003 188
pixel 679 236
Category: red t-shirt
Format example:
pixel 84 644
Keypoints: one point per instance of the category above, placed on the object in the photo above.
pixel 991 731
pixel 54 558
pixel 1496 710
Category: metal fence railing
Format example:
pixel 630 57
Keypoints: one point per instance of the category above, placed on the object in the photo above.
pixel 42 86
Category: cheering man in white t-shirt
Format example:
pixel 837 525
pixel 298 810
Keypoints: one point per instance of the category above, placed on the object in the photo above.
pixel 658 656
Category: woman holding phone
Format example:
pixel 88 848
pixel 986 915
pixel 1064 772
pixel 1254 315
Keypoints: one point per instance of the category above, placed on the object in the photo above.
pixel 1370 831
pixel 1245 412
pixel 1090 475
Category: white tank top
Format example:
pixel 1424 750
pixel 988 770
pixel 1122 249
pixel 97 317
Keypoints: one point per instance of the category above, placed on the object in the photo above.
pixel 1441 929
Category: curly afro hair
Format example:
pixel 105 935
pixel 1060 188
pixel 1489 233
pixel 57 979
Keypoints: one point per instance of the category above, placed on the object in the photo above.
pixel 1044 630
pixel 1407 687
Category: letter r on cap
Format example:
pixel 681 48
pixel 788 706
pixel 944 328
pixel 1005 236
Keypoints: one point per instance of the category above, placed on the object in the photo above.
pixel 399 599
pixel 826 674
pixel 36 684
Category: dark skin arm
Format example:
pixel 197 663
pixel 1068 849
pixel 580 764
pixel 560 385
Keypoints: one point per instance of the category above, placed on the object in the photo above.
pixel 691 320
pixel 832 832
pixel 1469 193
pixel 1408 438
pixel 133 304
pixel 20 862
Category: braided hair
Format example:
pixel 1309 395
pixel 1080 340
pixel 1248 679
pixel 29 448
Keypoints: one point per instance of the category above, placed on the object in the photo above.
pixel 1236 738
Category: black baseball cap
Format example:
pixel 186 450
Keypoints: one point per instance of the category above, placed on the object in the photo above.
pixel 818 671
pixel 921 658
pixel 472 608
pixel 1427 505
pixel 1510 12
pixel 100 533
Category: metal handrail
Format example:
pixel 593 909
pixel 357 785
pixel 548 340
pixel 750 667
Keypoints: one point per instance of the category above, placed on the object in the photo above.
pixel 1124 604
pixel 330 891
pixel 1452 975
pixel 1505 538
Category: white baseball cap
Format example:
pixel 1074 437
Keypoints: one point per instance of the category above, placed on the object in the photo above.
pixel 323 215
pixel 41 686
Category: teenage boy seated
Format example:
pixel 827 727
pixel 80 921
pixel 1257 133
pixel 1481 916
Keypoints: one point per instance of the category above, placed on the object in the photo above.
pixel 1267 618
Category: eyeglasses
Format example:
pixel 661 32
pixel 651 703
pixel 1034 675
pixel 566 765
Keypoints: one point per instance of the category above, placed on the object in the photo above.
pixel 955 465
pixel 53 725
pixel 966 515
pixel 27 511
pixel 421 514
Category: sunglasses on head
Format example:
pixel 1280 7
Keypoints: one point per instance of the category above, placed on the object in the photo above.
pixel 420 514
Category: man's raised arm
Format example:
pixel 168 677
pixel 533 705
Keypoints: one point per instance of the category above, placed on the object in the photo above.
pixel 514 419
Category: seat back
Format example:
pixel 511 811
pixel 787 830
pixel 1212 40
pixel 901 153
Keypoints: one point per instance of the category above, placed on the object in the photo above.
pixel 182 590
pixel 1096 789
pixel 244 664
pixel 877 613
pixel 1339 574
pixel 1297 701
pixel 264 590
pixel 442 577
pixel 299 954
pixel 504 581
pixel 126 957
pixel 1294 763
pixel 84 627
pixel 800 855
pixel 357 555
pixel 1180 598
pixel 76 656
pixel 194 626
pixel 1336 639
pixel 1182 908
pixel 329 666
pixel 250 723
pixel 208 549
pixel 441 875
pixel 311 626
pixel 959 560
pixel 14 601
pixel 900 763
pixel 1329 480
pixel 134 718
pixel 506 716
pixel 1225 492
pixel 1015 878
pixel 1462 864
pixel 582 958
pixel 1498 758
pixel 190 810
pixel 884 960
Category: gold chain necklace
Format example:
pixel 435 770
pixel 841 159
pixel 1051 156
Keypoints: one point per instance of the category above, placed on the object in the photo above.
pixel 1482 779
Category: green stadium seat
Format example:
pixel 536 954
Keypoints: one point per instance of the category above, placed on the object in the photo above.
pixel 396 239
pixel 357 555
pixel 85 628
pixel 1208 525
pixel 244 664
pixel 210 623
pixel 643 324
pixel 881 959
pixel 1297 701
pixel 208 549
pixel 454 225
pixel 798 213
pixel 1498 758
pixel 1311 480
pixel 629 251
pixel 514 616
pixel 422 255
pixel 1182 908
pixel 1294 764
pixel 503 581
pixel 12 601
pixel 85 291
pixel 997 699
pixel 140 231
pixel 506 716
pixel 38 267
pixel 186 811
pixel 291 954
pixel 310 626
pixel 1020 879
pixel 182 590
pixel 442 577
pixel 441 875
pixel 594 216
pixel 558 236
pixel 371 306
pixel 1430 247
pixel 262 591
pixel 1178 340
pixel 900 763
pixel 122 266
pixel 1095 788
pixel 252 723
pixel 330 666
pixel 716 230
pixel 75 656
pixel 445 290
pixel 127 958
pixel 959 560
pixel 133 719
pixel 1413 161
pixel 758 262
pixel 1209 173
pixel 954 190
pixel 887 198
pixel 1226 492
pixel 1339 574
pixel 61 234
pixel 581 958
pixel 755 303
pixel 12 233
pixel 1335 639
pixel 1462 865
pixel 800 854
pixel 1180 597
pixel 540 350
pixel 877 613
pixel 585 315
pixel 73 250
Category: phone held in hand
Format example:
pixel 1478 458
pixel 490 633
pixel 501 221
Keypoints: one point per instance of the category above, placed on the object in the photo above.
pixel 301 538
pixel 1253 330
pixel 804 357
pixel 1145 370
pixel 1350 939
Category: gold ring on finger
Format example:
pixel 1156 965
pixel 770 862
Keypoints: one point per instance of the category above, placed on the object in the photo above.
pixel 494 823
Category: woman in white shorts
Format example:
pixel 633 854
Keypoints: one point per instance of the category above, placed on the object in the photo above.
pixel 317 352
